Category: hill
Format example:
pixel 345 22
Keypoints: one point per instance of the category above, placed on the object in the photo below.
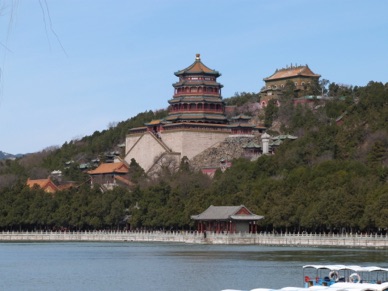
pixel 5 156
pixel 334 177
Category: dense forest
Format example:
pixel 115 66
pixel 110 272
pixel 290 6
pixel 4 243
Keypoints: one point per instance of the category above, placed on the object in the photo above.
pixel 333 178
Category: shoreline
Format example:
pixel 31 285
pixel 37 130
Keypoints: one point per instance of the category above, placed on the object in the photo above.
pixel 267 239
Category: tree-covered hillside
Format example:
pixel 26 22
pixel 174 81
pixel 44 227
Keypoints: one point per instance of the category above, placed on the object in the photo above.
pixel 334 177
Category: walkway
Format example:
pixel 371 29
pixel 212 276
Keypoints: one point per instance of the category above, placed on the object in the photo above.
pixel 269 239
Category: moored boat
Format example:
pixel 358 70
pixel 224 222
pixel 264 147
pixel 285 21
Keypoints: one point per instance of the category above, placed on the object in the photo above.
pixel 338 278
pixel 327 275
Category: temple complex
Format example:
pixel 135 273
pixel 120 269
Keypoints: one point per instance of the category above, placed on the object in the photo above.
pixel 302 78
pixel 196 121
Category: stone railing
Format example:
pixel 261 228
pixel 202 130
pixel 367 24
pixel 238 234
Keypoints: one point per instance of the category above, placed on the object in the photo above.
pixel 283 239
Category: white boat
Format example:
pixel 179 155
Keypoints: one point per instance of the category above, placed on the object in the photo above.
pixel 327 275
pixel 338 278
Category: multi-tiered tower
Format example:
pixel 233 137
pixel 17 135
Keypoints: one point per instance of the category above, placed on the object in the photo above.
pixel 197 96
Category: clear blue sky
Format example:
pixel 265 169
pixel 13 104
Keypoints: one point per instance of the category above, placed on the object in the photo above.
pixel 69 68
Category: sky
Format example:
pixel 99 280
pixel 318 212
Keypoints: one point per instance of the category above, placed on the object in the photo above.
pixel 70 68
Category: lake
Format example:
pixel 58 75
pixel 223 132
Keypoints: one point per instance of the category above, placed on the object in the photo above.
pixel 170 267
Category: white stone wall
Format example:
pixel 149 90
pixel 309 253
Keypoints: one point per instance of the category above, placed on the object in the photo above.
pixel 190 142
pixel 144 148
pixel 305 240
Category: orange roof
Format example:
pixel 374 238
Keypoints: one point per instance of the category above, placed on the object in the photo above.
pixel 197 68
pixel 292 72
pixel 45 184
pixel 106 168
pixel 155 121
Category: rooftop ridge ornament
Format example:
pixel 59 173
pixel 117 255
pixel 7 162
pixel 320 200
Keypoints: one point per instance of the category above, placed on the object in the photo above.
pixel 197 56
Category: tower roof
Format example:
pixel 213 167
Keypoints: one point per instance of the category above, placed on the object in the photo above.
pixel 197 68
pixel 196 117
pixel 292 72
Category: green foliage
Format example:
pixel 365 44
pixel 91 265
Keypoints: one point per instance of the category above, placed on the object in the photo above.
pixel 135 172
pixel 270 113
pixel 314 88
pixel 336 90
pixel 242 98
pixel 81 209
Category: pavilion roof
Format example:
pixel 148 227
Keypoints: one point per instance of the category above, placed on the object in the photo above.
pixel 105 168
pixel 242 116
pixel 291 72
pixel 197 68
pixel 45 184
pixel 252 145
pixel 284 136
pixel 227 213
pixel 154 122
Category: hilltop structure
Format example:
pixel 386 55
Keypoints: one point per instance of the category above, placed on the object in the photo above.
pixel 196 121
pixel 302 78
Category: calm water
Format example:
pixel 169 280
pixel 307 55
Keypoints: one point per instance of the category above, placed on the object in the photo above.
pixel 170 267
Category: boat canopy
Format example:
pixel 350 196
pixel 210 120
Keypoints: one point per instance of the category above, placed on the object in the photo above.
pixel 345 267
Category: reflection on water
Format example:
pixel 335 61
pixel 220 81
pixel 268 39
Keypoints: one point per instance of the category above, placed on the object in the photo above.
pixel 285 254
pixel 152 266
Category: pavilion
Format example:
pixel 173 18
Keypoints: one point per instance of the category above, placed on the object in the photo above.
pixel 227 219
